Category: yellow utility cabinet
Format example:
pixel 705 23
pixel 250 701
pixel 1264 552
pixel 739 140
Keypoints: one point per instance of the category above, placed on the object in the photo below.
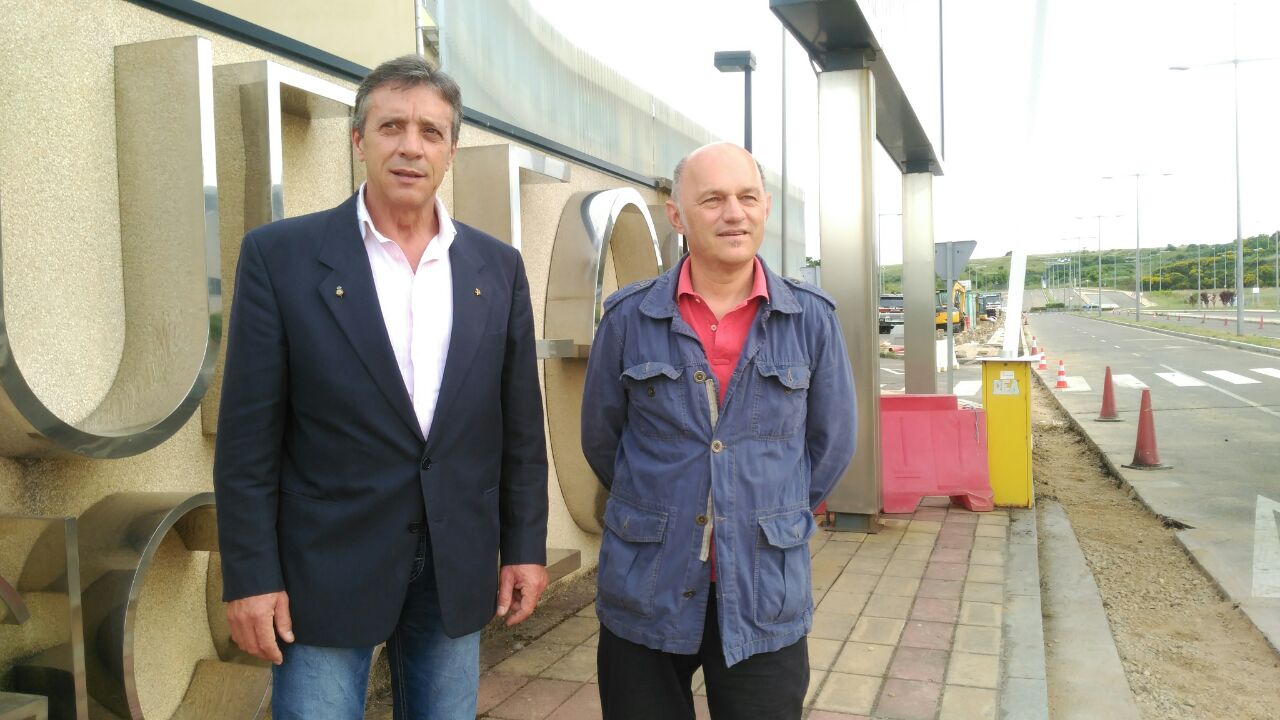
pixel 1006 396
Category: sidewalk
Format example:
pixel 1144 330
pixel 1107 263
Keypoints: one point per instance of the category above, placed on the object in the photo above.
pixel 936 616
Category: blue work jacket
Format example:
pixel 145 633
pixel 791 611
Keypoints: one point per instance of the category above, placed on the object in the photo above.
pixel 677 463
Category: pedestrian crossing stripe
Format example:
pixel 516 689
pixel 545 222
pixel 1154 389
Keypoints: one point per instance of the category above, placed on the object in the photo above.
pixel 1075 383
pixel 968 388
pixel 1128 381
pixel 1273 372
pixel 1233 378
pixel 1181 380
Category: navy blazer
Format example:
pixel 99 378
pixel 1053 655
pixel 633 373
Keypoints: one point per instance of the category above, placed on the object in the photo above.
pixel 321 470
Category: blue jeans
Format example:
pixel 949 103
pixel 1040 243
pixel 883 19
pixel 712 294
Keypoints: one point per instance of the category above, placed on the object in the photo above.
pixel 433 676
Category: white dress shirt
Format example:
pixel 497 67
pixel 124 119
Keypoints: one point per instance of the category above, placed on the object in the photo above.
pixel 416 306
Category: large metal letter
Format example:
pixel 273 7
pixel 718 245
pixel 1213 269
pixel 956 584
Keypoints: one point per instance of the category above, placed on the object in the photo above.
pixel 48 648
pixel 266 91
pixel 592 226
pixel 486 186
pixel 118 538
pixel 169 244
pixel 847 221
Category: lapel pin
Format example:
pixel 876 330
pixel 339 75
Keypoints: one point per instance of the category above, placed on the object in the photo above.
pixel 477 292
pixel 339 292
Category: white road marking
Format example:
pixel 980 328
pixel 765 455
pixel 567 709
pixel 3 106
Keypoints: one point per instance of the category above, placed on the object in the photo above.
pixel 1127 381
pixel 1230 394
pixel 891 370
pixel 966 388
pixel 1181 380
pixel 1075 383
pixel 1266 549
pixel 1137 354
pixel 1231 377
pixel 1273 372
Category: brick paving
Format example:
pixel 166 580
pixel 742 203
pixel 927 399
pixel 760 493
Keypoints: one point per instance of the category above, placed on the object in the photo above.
pixel 909 624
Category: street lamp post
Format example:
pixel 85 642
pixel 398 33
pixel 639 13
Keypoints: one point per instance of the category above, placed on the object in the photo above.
pixel 1137 232
pixel 1099 219
pixel 1234 62
pixel 743 61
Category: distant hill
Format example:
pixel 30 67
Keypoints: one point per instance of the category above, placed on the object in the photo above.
pixel 1168 268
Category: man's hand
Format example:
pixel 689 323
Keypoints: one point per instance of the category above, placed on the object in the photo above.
pixel 255 621
pixel 519 587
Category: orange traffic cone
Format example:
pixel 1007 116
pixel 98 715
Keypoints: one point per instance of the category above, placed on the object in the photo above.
pixel 1224 322
pixel 1033 344
pixel 1108 413
pixel 1260 324
pixel 1062 376
pixel 1145 455
pixel 1042 365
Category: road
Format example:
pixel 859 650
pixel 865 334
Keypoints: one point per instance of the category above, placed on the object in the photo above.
pixel 1256 322
pixel 1217 416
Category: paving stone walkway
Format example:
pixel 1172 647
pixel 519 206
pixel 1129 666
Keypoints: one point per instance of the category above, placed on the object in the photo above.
pixel 910 624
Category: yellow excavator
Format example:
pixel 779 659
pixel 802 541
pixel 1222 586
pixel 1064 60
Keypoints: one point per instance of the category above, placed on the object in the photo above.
pixel 958 293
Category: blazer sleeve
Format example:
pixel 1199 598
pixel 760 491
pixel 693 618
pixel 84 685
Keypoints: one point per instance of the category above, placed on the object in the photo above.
pixel 251 418
pixel 523 494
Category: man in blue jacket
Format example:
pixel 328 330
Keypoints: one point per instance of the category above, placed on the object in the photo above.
pixel 718 411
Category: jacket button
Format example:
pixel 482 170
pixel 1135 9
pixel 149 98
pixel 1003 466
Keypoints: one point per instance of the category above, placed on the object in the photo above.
pixel 651 392
pixel 699 377
pixel 701 520
pixel 426 463
pixel 689 593
pixel 716 446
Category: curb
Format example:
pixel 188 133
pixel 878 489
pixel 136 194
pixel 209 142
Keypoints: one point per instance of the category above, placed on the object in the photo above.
pixel 1024 688
pixel 1088 677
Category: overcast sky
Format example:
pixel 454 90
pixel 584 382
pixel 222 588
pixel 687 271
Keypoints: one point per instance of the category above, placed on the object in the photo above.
pixel 1043 98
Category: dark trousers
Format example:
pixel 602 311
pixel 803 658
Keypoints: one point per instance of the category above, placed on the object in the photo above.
pixel 638 683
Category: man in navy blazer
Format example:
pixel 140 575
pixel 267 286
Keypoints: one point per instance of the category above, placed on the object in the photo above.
pixel 381 468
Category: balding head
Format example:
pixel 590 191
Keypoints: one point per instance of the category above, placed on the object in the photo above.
pixel 718 202
pixel 727 148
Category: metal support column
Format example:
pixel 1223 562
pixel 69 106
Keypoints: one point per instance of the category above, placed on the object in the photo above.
pixel 918 282
pixel 847 225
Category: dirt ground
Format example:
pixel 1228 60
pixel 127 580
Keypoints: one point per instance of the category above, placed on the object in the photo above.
pixel 1187 652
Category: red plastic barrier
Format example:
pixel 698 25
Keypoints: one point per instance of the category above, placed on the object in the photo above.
pixel 930 447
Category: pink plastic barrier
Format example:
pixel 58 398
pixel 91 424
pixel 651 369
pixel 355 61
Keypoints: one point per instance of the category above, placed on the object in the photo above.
pixel 929 447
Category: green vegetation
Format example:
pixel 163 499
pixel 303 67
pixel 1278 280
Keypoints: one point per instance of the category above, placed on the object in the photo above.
pixel 1168 269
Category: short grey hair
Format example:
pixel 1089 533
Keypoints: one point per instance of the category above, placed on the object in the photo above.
pixel 678 174
pixel 404 72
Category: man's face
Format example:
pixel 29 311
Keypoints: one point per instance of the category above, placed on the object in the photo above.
pixel 722 206
pixel 407 145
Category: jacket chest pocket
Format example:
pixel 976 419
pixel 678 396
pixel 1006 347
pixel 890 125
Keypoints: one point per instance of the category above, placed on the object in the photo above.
pixel 780 399
pixel 631 555
pixel 782 583
pixel 656 400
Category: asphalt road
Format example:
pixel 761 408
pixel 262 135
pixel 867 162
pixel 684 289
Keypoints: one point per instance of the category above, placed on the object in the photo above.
pixel 1217 416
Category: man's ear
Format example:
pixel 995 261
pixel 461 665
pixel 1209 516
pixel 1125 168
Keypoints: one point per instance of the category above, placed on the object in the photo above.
pixel 357 141
pixel 673 217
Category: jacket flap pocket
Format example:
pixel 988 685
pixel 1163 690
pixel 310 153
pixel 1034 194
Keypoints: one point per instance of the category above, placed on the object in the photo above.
pixel 793 377
pixel 634 524
pixel 789 529
pixel 644 371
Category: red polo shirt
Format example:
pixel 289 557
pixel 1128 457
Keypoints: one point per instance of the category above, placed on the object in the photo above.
pixel 722 338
